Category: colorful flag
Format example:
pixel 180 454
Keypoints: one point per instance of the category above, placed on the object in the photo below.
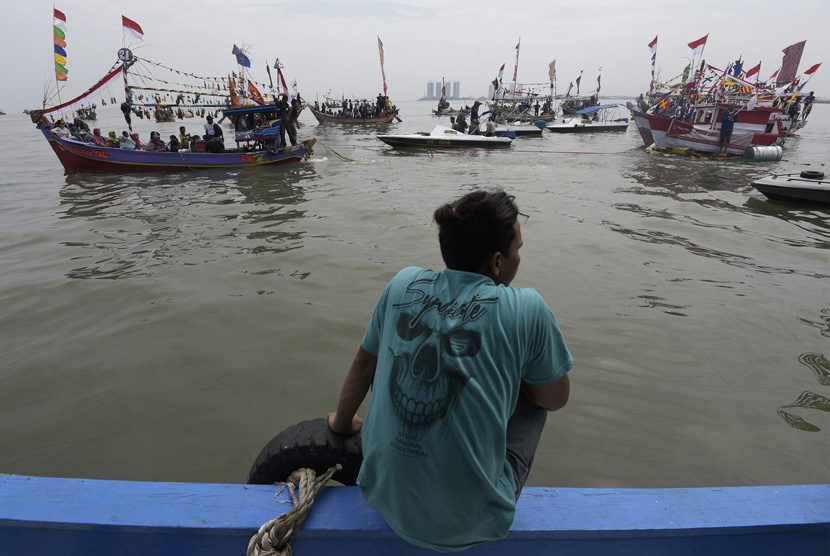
pixel 382 72
pixel 813 69
pixel 789 65
pixel 59 28
pixel 753 71
pixel 241 59
pixel 653 46
pixel 281 86
pixel 697 46
pixel 501 72
pixel 132 29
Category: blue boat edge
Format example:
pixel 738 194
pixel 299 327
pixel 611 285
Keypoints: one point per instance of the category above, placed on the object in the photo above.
pixel 83 516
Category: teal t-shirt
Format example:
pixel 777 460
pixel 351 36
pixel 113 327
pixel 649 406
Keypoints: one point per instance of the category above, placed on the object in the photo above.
pixel 452 348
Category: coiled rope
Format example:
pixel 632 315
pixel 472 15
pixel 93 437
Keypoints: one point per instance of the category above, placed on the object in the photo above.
pixel 274 537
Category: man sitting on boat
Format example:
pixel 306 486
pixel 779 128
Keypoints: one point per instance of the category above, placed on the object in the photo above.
pixel 463 370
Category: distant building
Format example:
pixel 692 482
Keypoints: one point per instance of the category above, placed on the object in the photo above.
pixel 453 90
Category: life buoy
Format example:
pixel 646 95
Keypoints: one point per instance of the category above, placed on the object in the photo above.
pixel 308 444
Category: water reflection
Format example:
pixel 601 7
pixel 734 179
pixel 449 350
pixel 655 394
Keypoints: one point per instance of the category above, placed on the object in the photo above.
pixel 820 366
pixel 140 223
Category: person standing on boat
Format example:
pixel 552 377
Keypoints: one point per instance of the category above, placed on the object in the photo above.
pixel 285 119
pixel 294 120
pixel 727 123
pixel 808 104
pixel 463 370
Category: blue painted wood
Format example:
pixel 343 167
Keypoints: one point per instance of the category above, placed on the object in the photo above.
pixel 82 517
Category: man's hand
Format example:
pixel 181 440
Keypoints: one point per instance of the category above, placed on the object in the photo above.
pixel 349 429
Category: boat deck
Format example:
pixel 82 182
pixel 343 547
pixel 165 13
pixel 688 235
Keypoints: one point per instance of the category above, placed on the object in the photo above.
pixel 81 517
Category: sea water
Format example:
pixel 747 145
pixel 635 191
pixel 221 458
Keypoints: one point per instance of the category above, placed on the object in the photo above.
pixel 164 327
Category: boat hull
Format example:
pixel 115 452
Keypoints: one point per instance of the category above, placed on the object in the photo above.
pixel 587 127
pixel 671 133
pixel 329 119
pixel 80 517
pixel 79 156
pixel 795 187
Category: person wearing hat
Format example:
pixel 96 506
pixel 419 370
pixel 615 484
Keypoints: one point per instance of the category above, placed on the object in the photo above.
pixel 452 122
pixel 808 104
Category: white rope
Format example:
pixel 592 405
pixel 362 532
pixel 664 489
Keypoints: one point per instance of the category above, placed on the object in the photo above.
pixel 274 537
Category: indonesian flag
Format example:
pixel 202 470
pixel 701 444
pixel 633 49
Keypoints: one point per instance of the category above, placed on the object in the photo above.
pixel 753 71
pixel 813 69
pixel 697 46
pixel 653 46
pixel 132 29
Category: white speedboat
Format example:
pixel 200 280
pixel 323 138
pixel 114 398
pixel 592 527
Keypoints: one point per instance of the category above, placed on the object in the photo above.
pixel 442 136
pixel 590 120
pixel 808 186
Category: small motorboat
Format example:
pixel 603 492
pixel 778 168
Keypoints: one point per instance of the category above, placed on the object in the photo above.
pixel 445 137
pixel 590 120
pixel 520 129
pixel 809 186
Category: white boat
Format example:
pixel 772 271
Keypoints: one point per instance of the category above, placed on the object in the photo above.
pixel 593 119
pixel 442 136
pixel 808 186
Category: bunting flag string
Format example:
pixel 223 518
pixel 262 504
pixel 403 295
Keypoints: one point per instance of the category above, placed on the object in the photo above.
pixel 59 26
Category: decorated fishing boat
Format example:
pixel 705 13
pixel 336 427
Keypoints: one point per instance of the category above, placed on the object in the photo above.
pixel 329 117
pixel 78 517
pixel 809 186
pixel 593 119
pixel 445 137
pixel 686 112
pixel 77 155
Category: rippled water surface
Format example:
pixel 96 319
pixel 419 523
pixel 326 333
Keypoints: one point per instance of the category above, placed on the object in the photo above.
pixel 165 327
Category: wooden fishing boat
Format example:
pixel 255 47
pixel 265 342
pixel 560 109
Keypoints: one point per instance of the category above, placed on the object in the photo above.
pixel 324 118
pixel 78 517
pixel 593 119
pixel 444 137
pixel 808 186
pixel 79 156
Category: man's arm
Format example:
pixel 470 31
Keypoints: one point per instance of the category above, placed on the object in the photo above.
pixel 551 397
pixel 356 386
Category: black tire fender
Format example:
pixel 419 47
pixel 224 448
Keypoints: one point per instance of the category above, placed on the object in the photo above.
pixel 812 174
pixel 308 444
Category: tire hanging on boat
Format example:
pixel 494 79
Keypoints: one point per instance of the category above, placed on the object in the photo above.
pixel 310 444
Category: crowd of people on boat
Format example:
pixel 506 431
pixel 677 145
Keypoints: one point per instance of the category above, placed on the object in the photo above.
pixel 213 137
pixel 360 108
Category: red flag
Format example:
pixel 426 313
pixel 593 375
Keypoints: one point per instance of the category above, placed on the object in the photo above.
pixel 697 46
pixel 132 28
pixel 59 15
pixel 813 69
pixel 753 71
pixel 652 43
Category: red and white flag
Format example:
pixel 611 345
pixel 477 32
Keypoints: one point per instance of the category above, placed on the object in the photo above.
pixel 516 67
pixel 697 46
pixel 132 29
pixel 753 71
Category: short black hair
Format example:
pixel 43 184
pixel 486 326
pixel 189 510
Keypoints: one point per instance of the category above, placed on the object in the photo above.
pixel 474 227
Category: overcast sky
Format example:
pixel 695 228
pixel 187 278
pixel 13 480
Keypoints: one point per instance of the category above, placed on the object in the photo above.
pixel 332 44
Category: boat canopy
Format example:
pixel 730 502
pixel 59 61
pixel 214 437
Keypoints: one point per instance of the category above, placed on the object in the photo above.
pixel 592 109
